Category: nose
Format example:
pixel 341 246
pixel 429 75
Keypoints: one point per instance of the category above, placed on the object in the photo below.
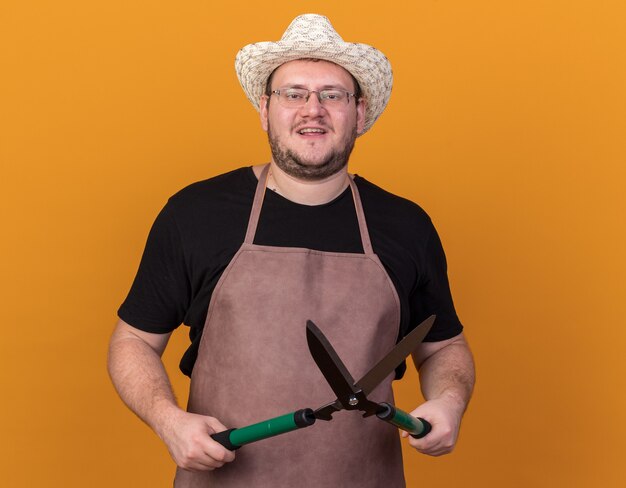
pixel 313 104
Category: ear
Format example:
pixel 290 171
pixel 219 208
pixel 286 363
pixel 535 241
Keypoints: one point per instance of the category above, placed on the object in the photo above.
pixel 263 108
pixel 361 104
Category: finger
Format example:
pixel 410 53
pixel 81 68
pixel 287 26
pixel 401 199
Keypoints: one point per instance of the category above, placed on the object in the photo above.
pixel 438 452
pixel 197 467
pixel 202 462
pixel 217 452
pixel 213 448
pixel 423 447
pixel 427 444
pixel 206 457
pixel 432 447
pixel 199 462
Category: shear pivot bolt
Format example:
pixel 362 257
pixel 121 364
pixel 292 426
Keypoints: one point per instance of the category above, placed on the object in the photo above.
pixel 353 400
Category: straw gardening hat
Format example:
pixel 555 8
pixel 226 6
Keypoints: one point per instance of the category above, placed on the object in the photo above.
pixel 313 36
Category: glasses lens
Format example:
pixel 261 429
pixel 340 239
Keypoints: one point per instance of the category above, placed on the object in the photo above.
pixel 294 96
pixel 333 97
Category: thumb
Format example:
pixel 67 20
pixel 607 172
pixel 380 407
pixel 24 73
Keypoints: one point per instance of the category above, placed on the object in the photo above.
pixel 215 424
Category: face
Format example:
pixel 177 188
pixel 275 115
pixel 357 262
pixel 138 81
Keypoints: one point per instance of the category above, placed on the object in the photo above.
pixel 311 142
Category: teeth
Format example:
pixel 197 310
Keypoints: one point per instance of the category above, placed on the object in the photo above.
pixel 305 131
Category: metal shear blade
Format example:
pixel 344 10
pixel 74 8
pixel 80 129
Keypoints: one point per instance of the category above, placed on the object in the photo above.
pixel 352 395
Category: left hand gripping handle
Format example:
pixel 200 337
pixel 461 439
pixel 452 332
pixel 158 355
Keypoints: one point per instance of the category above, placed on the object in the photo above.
pixel 235 438
pixel 416 426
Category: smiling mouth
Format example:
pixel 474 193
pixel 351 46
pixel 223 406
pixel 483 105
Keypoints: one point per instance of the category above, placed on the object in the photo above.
pixel 311 131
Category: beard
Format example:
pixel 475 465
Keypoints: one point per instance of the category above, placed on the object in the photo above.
pixel 298 166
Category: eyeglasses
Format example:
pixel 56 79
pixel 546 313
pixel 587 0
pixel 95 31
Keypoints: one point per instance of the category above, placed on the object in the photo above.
pixel 298 97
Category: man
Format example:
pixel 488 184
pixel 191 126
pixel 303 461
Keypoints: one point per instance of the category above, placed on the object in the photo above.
pixel 364 265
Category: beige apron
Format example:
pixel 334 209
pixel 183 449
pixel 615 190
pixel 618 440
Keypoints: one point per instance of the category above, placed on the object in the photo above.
pixel 254 364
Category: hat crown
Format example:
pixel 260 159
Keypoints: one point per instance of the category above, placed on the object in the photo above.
pixel 312 28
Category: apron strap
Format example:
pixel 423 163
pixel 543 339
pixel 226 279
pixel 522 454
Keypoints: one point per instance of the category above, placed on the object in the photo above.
pixel 258 203
pixel 360 215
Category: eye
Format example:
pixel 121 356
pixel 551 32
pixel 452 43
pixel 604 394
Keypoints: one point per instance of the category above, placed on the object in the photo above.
pixel 332 95
pixel 294 95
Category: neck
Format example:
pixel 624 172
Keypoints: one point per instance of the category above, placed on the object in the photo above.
pixel 305 192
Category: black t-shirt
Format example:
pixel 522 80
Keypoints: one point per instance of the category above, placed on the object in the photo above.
pixel 201 228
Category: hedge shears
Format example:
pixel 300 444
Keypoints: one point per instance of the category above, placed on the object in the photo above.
pixel 351 395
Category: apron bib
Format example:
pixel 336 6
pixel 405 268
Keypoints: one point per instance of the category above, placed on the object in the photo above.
pixel 254 364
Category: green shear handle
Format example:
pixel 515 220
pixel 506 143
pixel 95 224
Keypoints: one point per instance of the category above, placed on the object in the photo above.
pixel 235 438
pixel 416 426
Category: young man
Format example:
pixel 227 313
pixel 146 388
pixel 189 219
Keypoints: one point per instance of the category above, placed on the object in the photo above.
pixel 245 268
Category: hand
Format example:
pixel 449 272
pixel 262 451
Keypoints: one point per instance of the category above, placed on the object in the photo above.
pixel 187 436
pixel 445 418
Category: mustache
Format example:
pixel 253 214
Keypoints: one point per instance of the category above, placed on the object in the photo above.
pixel 319 125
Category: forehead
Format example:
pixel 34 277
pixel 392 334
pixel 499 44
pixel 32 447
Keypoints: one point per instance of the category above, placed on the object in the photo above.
pixel 311 73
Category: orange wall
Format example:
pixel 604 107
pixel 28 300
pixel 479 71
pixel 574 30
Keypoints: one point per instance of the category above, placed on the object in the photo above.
pixel 506 123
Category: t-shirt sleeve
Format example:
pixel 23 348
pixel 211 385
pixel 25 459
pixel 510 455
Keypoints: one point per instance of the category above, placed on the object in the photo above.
pixel 432 294
pixel 159 295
